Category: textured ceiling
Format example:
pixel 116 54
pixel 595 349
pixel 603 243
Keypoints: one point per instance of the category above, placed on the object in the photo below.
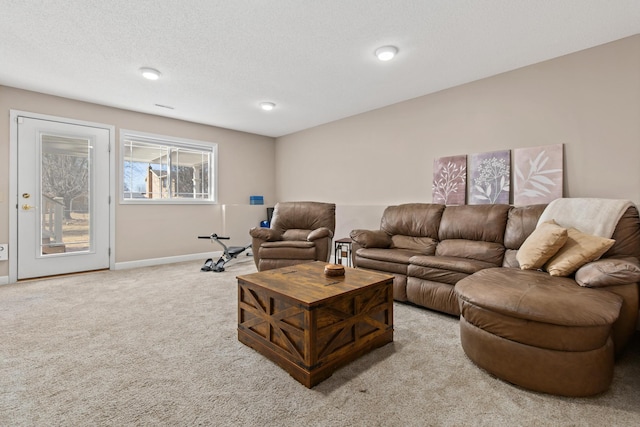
pixel 314 59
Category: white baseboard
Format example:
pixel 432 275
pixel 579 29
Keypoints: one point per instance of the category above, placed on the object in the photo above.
pixel 4 280
pixel 167 260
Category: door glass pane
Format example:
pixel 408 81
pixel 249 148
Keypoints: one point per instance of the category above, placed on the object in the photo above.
pixel 65 200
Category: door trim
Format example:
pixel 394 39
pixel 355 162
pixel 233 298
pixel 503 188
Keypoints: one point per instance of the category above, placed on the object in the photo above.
pixel 13 183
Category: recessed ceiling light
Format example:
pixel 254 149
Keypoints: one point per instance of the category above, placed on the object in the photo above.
pixel 150 73
pixel 267 106
pixel 385 53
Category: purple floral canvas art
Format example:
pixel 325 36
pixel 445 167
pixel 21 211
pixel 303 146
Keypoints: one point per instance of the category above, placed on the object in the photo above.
pixel 449 180
pixel 538 174
pixel 489 178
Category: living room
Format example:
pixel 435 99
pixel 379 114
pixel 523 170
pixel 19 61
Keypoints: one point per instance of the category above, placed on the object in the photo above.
pixel 588 100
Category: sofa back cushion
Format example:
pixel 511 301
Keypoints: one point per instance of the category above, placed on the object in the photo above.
pixel 521 222
pixel 412 219
pixel 485 223
pixel 473 232
pixel 626 235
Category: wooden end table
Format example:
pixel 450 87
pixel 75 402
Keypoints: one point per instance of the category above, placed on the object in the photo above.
pixel 311 324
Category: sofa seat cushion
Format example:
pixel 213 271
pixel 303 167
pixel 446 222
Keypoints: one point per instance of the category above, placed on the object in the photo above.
pixel 400 256
pixel 388 260
pixel 534 308
pixel 441 275
pixel 462 265
pixel 288 249
pixel 449 270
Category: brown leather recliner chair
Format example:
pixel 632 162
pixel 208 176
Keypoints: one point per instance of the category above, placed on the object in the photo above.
pixel 300 232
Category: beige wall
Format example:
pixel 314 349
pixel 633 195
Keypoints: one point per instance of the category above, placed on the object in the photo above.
pixel 589 101
pixel 246 167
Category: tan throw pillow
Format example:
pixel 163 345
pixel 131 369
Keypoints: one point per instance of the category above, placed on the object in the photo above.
pixel 579 249
pixel 545 241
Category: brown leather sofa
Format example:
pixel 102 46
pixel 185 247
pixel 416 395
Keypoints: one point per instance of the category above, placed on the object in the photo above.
pixel 299 232
pixel 542 332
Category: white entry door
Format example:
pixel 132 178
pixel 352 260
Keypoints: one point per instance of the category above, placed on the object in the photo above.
pixel 63 197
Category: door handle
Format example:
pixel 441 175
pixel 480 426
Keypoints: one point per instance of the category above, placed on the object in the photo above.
pixel 26 207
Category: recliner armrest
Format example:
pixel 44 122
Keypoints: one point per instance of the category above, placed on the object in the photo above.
pixel 266 234
pixel 371 238
pixel 319 233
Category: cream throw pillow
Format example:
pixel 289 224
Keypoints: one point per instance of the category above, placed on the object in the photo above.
pixel 579 249
pixel 545 241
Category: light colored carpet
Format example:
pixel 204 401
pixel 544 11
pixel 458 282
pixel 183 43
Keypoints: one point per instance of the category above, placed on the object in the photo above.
pixel 158 346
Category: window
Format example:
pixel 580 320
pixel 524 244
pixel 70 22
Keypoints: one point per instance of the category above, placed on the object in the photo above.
pixel 159 169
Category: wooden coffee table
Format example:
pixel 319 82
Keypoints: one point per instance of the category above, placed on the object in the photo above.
pixel 310 324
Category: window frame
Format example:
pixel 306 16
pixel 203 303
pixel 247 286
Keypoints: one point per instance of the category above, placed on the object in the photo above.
pixel 172 142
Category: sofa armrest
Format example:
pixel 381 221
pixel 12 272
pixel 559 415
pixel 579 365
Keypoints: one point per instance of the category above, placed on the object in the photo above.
pixel 608 272
pixel 266 234
pixel 371 238
pixel 319 233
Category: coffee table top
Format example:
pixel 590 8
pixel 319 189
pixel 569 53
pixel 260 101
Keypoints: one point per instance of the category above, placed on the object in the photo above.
pixel 308 284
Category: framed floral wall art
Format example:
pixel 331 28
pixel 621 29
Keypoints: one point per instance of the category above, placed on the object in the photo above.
pixel 449 180
pixel 538 174
pixel 489 178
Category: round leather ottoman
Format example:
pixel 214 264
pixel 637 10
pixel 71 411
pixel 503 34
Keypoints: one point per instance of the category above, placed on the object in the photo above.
pixel 540 332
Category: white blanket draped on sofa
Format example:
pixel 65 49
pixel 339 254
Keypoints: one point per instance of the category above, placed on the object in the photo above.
pixel 594 216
